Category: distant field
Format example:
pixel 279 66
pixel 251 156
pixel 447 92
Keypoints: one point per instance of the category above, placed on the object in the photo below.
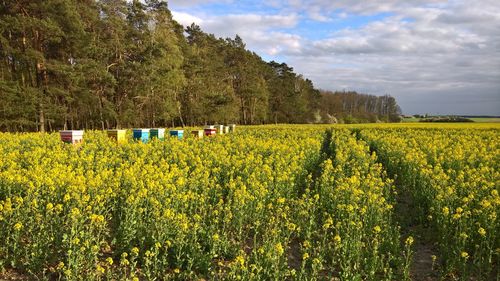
pixel 486 120
pixel 411 120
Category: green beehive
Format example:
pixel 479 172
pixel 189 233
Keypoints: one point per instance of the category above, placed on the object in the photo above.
pixel 157 133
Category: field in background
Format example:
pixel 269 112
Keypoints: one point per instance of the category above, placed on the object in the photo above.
pixel 486 120
pixel 296 202
pixel 478 120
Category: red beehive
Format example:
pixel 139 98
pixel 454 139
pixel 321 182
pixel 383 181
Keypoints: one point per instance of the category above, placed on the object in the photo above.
pixel 210 132
pixel 71 136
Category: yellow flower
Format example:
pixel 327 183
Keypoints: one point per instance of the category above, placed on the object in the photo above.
pixel 464 255
pixel 97 218
pixel 306 244
pixel 481 231
pixel 18 226
pixel 60 265
pixel 67 197
pixel 409 241
pixel 328 223
pixel 215 237
pixel 240 260
pixel 377 229
pixel 100 269
pixel 109 261
pixel 75 213
pixel 305 256
pixel 135 251
pixel 76 241
pixel 485 203
pixel 279 249
pixel 337 239
pixel 59 208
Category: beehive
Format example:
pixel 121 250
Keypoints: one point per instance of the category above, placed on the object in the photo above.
pixel 197 134
pixel 141 134
pixel 71 136
pixel 220 129
pixel 232 128
pixel 210 127
pixel 177 133
pixel 117 135
pixel 226 129
pixel 210 132
pixel 157 133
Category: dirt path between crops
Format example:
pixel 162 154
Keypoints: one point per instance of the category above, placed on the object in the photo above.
pixel 423 268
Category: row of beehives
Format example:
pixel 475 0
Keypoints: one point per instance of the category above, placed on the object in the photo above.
pixel 144 135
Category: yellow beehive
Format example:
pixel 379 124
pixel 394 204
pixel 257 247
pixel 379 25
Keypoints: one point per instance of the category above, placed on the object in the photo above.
pixel 117 135
pixel 197 134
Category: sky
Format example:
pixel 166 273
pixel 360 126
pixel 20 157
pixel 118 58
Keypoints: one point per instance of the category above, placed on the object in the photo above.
pixel 433 56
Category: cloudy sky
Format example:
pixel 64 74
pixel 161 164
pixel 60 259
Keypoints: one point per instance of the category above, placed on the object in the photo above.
pixel 439 57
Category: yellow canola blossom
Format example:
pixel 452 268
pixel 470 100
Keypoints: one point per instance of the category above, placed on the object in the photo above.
pixel 264 203
pixel 452 176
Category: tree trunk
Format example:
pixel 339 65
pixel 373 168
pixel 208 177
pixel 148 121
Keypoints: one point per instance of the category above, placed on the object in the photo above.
pixel 40 86
pixel 42 118
pixel 180 114
pixel 101 108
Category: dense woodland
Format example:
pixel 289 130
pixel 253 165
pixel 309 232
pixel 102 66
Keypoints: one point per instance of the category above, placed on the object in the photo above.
pixel 100 64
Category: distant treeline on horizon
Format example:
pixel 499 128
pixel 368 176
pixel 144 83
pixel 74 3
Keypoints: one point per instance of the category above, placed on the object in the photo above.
pixel 113 64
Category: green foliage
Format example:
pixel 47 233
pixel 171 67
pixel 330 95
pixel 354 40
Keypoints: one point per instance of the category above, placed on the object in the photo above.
pixel 98 64
pixel 352 107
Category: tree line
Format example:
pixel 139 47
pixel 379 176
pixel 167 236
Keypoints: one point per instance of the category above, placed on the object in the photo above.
pixel 352 107
pixel 98 64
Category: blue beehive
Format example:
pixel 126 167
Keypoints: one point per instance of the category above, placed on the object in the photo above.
pixel 141 134
pixel 177 133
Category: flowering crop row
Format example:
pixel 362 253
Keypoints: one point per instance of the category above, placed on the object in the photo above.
pixel 453 177
pixel 351 231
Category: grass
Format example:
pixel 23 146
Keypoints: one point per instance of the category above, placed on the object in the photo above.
pixel 486 120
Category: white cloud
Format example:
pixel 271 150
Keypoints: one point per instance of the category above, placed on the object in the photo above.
pixel 434 56
pixel 186 19
pixel 187 3
pixel 256 30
